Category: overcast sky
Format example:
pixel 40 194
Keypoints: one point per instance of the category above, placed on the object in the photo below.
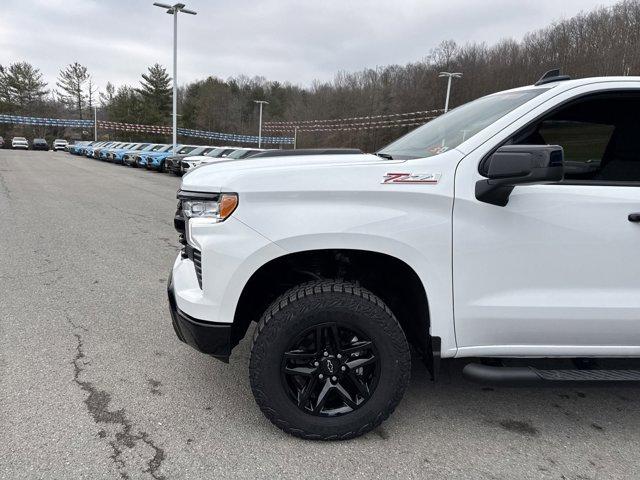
pixel 287 40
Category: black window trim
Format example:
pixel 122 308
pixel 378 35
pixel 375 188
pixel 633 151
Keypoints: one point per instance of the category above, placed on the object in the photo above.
pixel 597 183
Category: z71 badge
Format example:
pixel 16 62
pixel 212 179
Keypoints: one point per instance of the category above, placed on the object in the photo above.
pixel 412 178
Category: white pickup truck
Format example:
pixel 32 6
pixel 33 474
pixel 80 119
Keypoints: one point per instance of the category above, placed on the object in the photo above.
pixel 506 228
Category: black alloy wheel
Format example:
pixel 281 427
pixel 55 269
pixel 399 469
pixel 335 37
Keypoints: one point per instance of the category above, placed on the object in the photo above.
pixel 330 370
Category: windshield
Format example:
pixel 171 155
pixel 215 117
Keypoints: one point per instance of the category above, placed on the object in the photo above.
pixel 217 152
pixel 451 129
pixel 164 149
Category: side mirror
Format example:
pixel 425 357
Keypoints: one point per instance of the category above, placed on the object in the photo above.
pixel 513 165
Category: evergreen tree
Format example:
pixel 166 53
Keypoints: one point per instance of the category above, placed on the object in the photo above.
pixel 155 90
pixel 71 81
pixel 21 86
pixel 5 104
pixel 125 106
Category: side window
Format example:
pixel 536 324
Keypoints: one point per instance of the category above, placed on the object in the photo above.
pixel 584 145
pixel 600 135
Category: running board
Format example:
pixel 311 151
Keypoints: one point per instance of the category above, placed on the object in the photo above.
pixel 524 376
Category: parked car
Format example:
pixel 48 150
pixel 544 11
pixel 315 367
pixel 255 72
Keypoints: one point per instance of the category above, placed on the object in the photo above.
pixel 241 153
pixel 172 162
pixel 130 159
pixel 116 155
pixel 215 155
pixel 307 151
pixel 158 161
pixel 20 143
pixel 40 144
pixel 143 157
pixel 345 260
pixel 235 154
pixel 77 148
pixel 60 144
pixel 1 142
pixel 94 152
pixel 88 149
pixel 101 154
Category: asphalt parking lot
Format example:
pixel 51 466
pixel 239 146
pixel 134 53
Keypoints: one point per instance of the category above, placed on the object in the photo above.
pixel 94 383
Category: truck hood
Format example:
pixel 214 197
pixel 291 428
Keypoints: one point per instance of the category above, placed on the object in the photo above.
pixel 220 175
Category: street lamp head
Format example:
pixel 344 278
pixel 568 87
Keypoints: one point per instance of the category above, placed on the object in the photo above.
pixel 173 9
pixel 451 75
pixel 261 101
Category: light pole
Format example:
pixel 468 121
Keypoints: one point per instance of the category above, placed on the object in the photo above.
pixel 174 10
pixel 95 123
pixel 449 76
pixel 260 102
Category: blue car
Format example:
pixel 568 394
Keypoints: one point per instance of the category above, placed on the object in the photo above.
pixel 79 148
pixel 161 162
pixel 143 158
pixel 116 155
pixel 89 151
pixel 101 153
pixel 108 154
pixel 130 159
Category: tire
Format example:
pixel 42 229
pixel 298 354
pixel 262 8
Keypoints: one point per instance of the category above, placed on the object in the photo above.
pixel 339 311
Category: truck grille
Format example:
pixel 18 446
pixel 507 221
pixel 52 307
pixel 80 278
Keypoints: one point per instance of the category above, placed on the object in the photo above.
pixel 197 261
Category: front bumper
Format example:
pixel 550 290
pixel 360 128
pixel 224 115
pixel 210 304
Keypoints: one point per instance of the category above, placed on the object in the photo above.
pixel 207 337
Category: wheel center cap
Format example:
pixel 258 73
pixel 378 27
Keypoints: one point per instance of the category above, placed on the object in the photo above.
pixel 330 366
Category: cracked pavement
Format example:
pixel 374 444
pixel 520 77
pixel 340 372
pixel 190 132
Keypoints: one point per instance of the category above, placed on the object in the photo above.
pixel 94 383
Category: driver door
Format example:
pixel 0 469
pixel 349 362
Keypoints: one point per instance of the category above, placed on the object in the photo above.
pixel 557 270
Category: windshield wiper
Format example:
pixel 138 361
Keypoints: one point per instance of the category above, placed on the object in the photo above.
pixel 384 155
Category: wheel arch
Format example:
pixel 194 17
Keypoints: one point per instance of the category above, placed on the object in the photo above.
pixel 388 277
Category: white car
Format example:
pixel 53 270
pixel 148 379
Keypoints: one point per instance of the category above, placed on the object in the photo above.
pixel 508 227
pixel 215 155
pixel 60 144
pixel 20 142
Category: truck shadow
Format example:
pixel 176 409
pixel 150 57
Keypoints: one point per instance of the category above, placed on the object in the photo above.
pixel 571 410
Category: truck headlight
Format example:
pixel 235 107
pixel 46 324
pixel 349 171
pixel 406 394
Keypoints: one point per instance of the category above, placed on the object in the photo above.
pixel 217 210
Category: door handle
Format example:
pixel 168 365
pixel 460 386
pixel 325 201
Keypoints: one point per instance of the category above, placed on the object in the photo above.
pixel 634 217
